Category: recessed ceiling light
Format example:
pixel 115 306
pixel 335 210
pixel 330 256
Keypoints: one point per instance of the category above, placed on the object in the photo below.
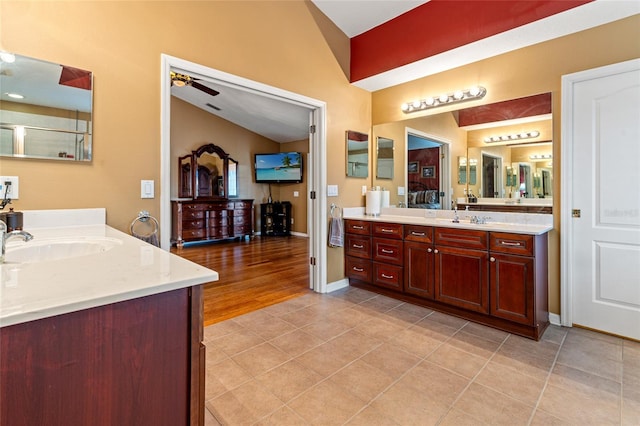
pixel 7 57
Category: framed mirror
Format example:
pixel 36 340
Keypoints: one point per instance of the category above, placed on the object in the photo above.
pixel 185 176
pixel 210 164
pixel 45 110
pixel 357 145
pixel 462 170
pixel 232 178
pixel 384 158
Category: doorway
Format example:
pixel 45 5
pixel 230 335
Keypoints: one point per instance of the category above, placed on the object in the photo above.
pixel 316 170
pixel 416 139
pixel 600 215
pixel 491 176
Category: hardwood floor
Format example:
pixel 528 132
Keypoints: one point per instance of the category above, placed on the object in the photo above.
pixel 253 274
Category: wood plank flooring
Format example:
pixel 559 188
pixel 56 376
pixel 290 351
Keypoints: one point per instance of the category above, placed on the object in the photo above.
pixel 253 274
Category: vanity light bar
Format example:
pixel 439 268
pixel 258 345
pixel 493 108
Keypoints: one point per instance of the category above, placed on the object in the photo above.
pixel 512 137
pixel 476 92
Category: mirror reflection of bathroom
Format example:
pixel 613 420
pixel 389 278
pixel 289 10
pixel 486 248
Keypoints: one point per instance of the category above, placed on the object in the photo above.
pixel 384 158
pixel 427 160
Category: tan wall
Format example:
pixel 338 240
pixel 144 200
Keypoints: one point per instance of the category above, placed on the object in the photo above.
pixel 528 71
pixel 282 44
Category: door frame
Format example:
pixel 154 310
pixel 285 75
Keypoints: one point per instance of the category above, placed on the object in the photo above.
pixel 445 165
pixel 316 170
pixel 566 185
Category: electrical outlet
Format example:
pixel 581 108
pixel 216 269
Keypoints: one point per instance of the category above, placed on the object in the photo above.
pixel 11 190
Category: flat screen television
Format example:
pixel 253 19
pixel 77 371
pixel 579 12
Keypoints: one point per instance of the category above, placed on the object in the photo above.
pixel 278 167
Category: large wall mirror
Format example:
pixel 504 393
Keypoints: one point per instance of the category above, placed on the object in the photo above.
pixel 45 109
pixel 500 153
pixel 357 145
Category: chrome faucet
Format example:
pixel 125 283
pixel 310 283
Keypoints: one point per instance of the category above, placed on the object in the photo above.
pixel 5 236
pixel 456 218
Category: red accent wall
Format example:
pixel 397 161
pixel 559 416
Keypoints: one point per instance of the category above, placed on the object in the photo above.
pixel 508 110
pixel 425 157
pixel 441 25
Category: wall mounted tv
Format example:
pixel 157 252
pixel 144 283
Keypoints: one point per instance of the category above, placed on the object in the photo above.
pixel 279 167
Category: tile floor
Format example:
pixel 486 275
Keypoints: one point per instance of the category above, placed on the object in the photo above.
pixel 357 358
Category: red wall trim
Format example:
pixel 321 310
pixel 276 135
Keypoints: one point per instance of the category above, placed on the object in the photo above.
pixel 442 25
pixel 508 110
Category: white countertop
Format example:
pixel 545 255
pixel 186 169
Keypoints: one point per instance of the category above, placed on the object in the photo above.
pixel 131 269
pixel 517 223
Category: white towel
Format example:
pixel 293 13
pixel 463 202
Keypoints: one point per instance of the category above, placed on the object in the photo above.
pixel 336 236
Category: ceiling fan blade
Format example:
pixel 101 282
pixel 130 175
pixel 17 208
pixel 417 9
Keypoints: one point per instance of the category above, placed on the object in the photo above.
pixel 205 89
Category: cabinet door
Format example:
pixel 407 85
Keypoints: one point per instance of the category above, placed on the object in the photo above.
pixel 418 265
pixel 462 278
pixel 512 288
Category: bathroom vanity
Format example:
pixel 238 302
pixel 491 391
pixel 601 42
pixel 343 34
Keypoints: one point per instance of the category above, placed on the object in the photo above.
pixel 98 327
pixel 494 273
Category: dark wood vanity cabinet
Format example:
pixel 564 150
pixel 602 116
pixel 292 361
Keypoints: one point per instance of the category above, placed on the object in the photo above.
pixel 136 362
pixel 498 279
pixel 211 220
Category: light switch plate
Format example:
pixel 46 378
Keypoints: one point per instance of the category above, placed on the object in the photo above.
pixel 13 189
pixel 332 190
pixel 146 189
pixel 401 190
pixel 364 189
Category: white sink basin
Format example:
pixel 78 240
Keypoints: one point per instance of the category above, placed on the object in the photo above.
pixel 60 248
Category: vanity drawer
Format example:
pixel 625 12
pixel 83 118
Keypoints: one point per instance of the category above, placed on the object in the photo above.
pixel 239 230
pixel 389 276
pixel 419 234
pixel 361 227
pixel 503 242
pixel 218 232
pixel 385 250
pixel 220 206
pixel 464 238
pixel 358 246
pixel 193 207
pixel 243 204
pixel 387 230
pixel 357 269
pixel 218 221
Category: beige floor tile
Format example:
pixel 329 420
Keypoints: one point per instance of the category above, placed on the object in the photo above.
pixel 379 328
pixel 588 384
pixel 362 380
pixel 261 358
pixel 220 329
pixel 391 359
pixel 209 419
pixel 325 329
pixel 435 383
pixel 448 320
pixel 371 417
pixel 594 335
pixel 493 407
pixel 326 404
pixel 415 341
pixel 511 382
pixel 271 327
pixel 457 417
pixel 289 380
pixel 244 405
pixel 631 386
pixel 287 307
pixel 352 294
pixel 578 407
pixel 296 342
pixel 237 342
pixel 214 354
pixel 457 360
pixel 555 334
pixel 540 418
pixel 474 344
pixel 352 317
pixel 223 377
pixel 354 344
pixel 407 314
pixel 282 417
pixel 434 329
pixel 515 345
pixel 487 333
pixel 535 364
pixel 608 348
pixel 302 317
pixel 630 413
pixel 408 406
pixel 323 361
pixel 595 362
pixel 380 304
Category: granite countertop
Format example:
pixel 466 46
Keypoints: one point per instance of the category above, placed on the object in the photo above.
pixel 517 223
pixel 129 269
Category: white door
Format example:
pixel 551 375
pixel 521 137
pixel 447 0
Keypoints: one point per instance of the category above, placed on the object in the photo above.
pixel 601 185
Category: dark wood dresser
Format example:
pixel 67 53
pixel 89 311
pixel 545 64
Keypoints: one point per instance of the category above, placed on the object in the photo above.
pixel 210 220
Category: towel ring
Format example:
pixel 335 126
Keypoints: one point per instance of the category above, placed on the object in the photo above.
pixel 335 208
pixel 150 221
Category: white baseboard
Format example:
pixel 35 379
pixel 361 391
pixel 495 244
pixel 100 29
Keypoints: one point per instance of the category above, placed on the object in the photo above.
pixel 300 234
pixel 337 285
pixel 554 319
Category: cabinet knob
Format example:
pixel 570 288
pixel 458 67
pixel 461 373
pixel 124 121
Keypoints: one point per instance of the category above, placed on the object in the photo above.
pixel 429 250
pixel 492 259
pixel 436 251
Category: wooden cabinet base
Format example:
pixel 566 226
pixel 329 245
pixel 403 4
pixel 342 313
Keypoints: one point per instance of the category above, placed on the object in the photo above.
pixel 129 363
pixel 534 332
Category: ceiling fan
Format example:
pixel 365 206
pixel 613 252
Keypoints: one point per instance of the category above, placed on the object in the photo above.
pixel 181 80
